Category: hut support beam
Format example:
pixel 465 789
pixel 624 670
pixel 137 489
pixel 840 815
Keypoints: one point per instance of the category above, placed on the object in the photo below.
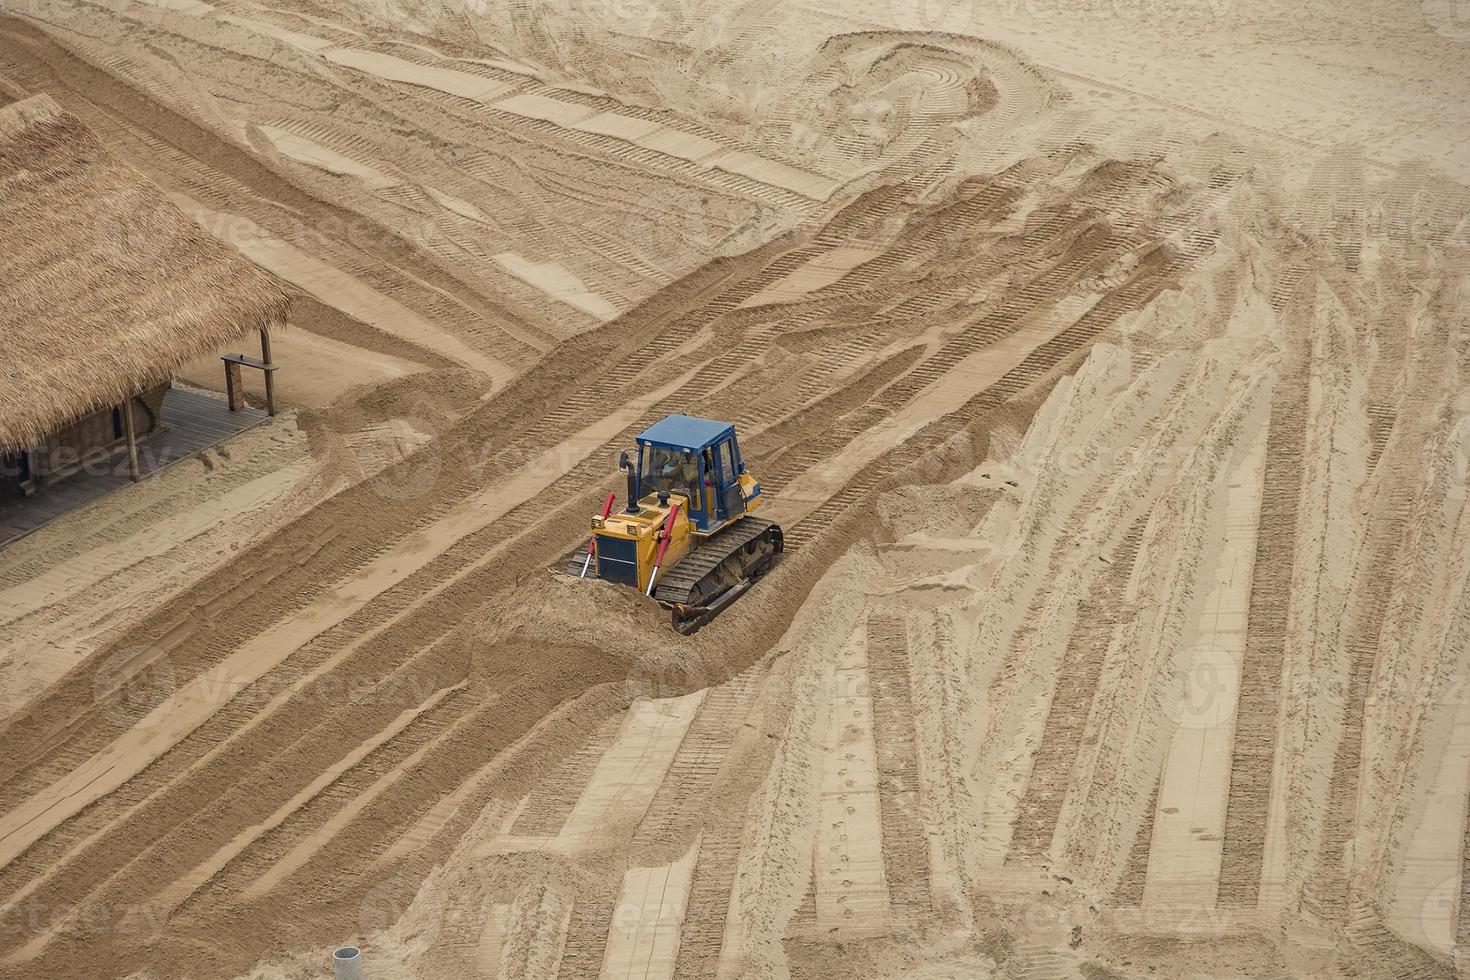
pixel 234 385
pixel 270 374
pixel 32 461
pixel 127 414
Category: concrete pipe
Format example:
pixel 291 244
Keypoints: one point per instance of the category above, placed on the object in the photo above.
pixel 347 963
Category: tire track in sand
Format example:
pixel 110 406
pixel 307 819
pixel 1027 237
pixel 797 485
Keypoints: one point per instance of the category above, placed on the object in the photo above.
pixel 1057 331
pixel 850 884
pixel 1258 704
pixel 586 942
pixel 1462 910
pixel 905 844
pixel 675 812
pixel 643 941
pixel 1184 856
pixel 546 809
pixel 646 928
pixel 1040 808
pixel 1148 280
pixel 535 467
pixel 1390 541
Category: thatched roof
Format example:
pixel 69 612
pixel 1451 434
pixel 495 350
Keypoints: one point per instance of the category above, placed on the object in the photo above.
pixel 106 288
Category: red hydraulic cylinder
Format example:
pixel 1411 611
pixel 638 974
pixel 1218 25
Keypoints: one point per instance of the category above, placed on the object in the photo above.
pixel 663 545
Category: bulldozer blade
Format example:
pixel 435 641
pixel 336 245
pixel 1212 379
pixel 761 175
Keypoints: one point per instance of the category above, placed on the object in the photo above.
pixel 688 619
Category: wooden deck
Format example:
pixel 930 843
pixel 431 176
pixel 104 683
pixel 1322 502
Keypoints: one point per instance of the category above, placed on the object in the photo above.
pixel 191 422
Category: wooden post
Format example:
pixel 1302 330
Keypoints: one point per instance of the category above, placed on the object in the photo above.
pixel 33 471
pixel 270 376
pixel 234 386
pixel 127 414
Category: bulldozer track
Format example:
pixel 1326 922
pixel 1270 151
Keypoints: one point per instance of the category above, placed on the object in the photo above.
pixel 1392 531
pixel 1066 718
pixel 1129 893
pixel 1031 370
pixel 703 933
pixel 586 938
pixel 1260 684
pixel 905 847
pixel 678 584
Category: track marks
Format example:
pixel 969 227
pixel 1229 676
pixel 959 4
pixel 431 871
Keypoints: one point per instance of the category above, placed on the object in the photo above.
pixel 1130 889
pixel 534 943
pixel 587 933
pixel 644 938
pixel 1381 419
pixel 186 885
pixel 1259 701
pixel 703 932
pixel 1154 272
pixel 626 778
pixel 342 291
pixel 1422 905
pixel 1389 955
pixel 545 811
pixel 700 763
pixel 457 83
pixel 1184 857
pixel 851 890
pixel 1098 616
pixel 1461 922
pixel 905 845
pixel 395 610
pixel 692 769
pixel 295 846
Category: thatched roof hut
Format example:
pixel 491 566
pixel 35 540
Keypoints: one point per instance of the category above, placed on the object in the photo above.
pixel 106 288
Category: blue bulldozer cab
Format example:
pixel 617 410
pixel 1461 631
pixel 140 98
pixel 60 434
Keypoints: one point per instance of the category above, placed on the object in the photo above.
pixel 698 458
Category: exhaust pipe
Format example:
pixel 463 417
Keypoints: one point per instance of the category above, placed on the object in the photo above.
pixel 347 963
pixel 624 463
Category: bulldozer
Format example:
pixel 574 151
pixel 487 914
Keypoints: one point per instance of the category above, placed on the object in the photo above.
pixel 686 536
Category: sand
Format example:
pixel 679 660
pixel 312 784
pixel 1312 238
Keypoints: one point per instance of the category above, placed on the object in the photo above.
pixel 1106 366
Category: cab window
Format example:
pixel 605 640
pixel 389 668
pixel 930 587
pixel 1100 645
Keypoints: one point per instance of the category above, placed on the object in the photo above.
pixel 667 469
pixel 727 463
